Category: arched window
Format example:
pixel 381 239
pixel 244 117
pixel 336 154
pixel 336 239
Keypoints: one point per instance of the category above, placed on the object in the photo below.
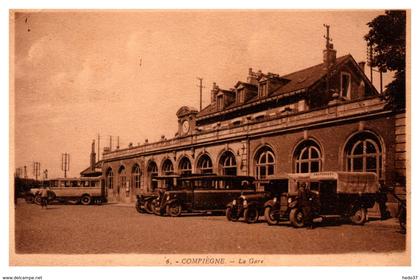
pixel 185 166
pixel 136 174
pixel 307 157
pixel 228 163
pixel 110 179
pixel 152 171
pixel 122 178
pixel 204 164
pixel 364 154
pixel 168 167
pixel 265 163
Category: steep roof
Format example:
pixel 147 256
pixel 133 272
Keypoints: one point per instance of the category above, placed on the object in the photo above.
pixel 89 172
pixel 299 80
pixel 305 78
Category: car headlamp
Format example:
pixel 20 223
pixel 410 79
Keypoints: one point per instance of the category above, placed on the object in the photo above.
pixel 234 202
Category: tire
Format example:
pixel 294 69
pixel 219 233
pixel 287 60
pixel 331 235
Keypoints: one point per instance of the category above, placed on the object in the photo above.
pixel 148 206
pixel 174 209
pixel 30 198
pixel 232 214
pixel 85 200
pixel 138 208
pixel 38 200
pixel 297 218
pixel 155 210
pixel 270 216
pixel 251 215
pixel 359 216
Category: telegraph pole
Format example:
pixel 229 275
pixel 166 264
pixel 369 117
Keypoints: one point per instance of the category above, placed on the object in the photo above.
pixel 36 169
pixel 201 92
pixel 65 163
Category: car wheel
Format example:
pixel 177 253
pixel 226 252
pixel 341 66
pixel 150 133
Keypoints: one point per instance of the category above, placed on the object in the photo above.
pixel 270 216
pixel 251 215
pixel 156 211
pixel 138 207
pixel 29 198
pixel 232 214
pixel 85 200
pixel 297 218
pixel 359 216
pixel 38 200
pixel 148 206
pixel 174 209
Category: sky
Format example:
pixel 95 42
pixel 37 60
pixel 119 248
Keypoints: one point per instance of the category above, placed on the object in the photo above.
pixel 80 74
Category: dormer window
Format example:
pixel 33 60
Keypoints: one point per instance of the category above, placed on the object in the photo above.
pixel 241 96
pixel 263 89
pixel 220 102
pixel 345 82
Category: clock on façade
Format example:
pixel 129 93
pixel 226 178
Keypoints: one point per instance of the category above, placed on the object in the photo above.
pixel 186 120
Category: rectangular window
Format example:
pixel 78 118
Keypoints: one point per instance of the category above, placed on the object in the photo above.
pixel 220 102
pixel 263 88
pixel 345 85
pixel 241 96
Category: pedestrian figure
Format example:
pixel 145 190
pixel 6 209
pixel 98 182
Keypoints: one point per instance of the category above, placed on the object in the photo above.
pixel 44 197
pixel 305 200
pixel 382 198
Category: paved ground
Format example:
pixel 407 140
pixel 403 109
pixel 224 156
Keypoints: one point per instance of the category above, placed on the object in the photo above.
pixel 77 229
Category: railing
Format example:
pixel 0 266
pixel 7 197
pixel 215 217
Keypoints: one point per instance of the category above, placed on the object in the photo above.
pixel 270 122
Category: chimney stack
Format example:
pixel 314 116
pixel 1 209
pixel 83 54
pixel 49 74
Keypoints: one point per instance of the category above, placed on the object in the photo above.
pixel 329 54
pixel 252 77
pixel 214 92
pixel 93 157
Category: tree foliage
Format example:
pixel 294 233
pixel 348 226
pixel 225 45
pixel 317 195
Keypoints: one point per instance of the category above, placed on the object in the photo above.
pixel 387 37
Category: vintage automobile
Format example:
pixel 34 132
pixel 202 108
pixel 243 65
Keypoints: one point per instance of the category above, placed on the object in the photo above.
pixel 202 194
pixel 335 195
pixel 145 201
pixel 251 206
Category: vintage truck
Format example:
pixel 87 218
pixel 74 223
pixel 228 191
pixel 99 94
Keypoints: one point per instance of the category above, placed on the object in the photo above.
pixel 335 195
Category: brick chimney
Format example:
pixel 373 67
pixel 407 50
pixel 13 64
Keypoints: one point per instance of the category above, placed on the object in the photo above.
pixel 252 77
pixel 214 92
pixel 330 56
pixel 92 157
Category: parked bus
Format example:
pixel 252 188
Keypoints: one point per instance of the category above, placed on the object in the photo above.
pixel 84 190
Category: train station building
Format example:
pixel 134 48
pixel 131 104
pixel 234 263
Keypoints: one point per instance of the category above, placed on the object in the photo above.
pixel 327 117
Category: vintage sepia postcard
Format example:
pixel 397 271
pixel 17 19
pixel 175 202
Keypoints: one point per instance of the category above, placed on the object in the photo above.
pixel 210 138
